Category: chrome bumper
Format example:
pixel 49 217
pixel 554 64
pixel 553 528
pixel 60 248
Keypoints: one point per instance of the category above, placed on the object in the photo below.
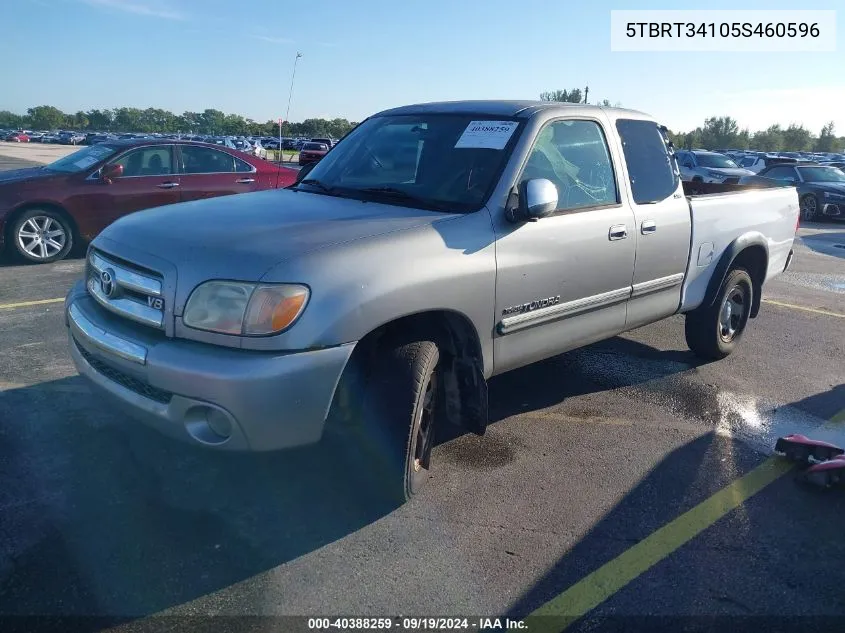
pixel 191 391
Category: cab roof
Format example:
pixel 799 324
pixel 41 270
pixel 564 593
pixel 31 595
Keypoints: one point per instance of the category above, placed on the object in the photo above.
pixel 503 108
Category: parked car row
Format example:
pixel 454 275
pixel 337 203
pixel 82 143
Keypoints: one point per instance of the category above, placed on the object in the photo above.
pixel 820 181
pixel 821 188
pixel 44 210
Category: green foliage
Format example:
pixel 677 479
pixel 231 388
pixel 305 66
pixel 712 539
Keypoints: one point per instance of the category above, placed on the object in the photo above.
pixel 46 117
pixel 564 96
pixel 724 133
pixel 209 121
pixel 827 141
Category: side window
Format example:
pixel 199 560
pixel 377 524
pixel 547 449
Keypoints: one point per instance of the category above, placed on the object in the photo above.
pixel 781 173
pixel 573 154
pixel 147 161
pixel 650 168
pixel 204 160
pixel 242 165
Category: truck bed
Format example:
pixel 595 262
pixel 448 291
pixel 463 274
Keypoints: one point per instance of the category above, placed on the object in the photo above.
pixel 722 213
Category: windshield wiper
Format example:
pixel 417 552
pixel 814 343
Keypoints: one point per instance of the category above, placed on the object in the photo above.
pixel 401 194
pixel 316 183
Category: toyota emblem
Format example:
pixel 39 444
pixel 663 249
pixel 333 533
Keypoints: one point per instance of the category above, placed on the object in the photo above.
pixel 107 282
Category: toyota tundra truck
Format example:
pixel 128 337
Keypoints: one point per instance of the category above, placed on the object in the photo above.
pixel 436 246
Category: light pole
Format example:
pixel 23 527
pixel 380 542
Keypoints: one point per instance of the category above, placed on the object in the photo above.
pixel 290 95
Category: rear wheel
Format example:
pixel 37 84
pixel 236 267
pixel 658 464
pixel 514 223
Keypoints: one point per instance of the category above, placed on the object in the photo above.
pixel 712 331
pixel 42 236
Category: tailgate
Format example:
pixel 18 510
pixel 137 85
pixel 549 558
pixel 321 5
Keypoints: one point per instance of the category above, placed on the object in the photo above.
pixel 769 214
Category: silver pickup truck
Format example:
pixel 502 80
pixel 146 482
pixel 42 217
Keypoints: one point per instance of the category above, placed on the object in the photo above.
pixel 435 246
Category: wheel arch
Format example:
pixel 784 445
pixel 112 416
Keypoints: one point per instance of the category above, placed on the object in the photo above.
pixel 750 252
pixel 460 347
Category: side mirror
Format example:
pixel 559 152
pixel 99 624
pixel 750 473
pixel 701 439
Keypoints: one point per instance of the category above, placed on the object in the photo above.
pixel 108 172
pixel 532 200
pixel 538 198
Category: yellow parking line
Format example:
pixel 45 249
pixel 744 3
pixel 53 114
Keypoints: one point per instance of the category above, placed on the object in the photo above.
pixel 585 595
pixel 26 304
pixel 805 308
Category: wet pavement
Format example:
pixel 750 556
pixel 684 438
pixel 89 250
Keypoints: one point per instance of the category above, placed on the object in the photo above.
pixel 588 454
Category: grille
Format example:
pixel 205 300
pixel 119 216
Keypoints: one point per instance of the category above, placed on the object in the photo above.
pixel 731 181
pixel 133 292
pixel 133 384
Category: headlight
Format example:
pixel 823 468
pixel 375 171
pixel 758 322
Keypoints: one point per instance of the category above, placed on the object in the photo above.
pixel 715 174
pixel 232 307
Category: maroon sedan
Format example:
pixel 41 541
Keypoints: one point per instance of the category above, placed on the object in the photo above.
pixel 44 209
pixel 312 152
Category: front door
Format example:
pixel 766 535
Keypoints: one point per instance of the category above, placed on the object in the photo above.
pixel 149 180
pixel 662 221
pixel 208 173
pixel 564 280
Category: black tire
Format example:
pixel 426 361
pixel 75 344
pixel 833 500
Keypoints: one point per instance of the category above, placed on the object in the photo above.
pixel 810 207
pixel 41 250
pixel 704 327
pixel 392 427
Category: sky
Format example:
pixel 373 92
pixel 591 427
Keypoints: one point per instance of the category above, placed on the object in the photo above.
pixel 362 56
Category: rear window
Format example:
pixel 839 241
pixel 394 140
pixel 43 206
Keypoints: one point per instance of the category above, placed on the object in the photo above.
pixel 315 146
pixel 651 169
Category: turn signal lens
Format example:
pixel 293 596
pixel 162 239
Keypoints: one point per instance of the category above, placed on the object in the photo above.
pixel 274 308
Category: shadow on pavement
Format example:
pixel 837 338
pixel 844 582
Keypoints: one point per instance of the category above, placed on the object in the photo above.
pixel 826 243
pixel 772 564
pixel 103 520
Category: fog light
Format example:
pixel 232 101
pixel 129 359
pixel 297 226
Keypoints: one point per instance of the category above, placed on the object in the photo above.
pixel 219 423
pixel 208 425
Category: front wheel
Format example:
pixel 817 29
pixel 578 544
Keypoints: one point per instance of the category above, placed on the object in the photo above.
pixel 809 207
pixel 712 331
pixel 393 431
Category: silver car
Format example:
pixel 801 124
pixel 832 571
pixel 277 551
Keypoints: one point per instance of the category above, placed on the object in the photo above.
pixel 698 166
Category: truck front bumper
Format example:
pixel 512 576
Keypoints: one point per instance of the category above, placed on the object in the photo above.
pixel 204 394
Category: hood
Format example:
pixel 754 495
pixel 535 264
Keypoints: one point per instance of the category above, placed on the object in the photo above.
pixel 834 187
pixel 28 173
pixel 243 236
pixel 729 171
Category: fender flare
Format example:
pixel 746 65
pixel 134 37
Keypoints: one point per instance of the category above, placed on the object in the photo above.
pixel 725 263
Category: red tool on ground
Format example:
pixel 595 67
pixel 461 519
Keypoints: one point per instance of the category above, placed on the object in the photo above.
pixel 826 474
pixel 826 461
pixel 800 448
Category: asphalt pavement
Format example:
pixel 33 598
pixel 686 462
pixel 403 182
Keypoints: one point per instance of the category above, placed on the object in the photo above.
pixel 588 456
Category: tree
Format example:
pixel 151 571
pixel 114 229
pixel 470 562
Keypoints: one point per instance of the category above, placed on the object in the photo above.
pixel 719 132
pixel 100 120
pixel 768 140
pixel 564 96
pixel 796 138
pixel 46 117
pixel 11 120
pixel 827 140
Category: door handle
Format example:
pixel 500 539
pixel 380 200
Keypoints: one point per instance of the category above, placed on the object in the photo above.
pixel 168 185
pixel 648 226
pixel 243 181
pixel 618 232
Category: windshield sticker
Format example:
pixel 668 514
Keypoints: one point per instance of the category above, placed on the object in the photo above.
pixel 82 163
pixel 486 135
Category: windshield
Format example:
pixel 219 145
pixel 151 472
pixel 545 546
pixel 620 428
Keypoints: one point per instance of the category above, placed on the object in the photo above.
pixel 821 174
pixel 83 159
pixel 433 160
pixel 715 160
